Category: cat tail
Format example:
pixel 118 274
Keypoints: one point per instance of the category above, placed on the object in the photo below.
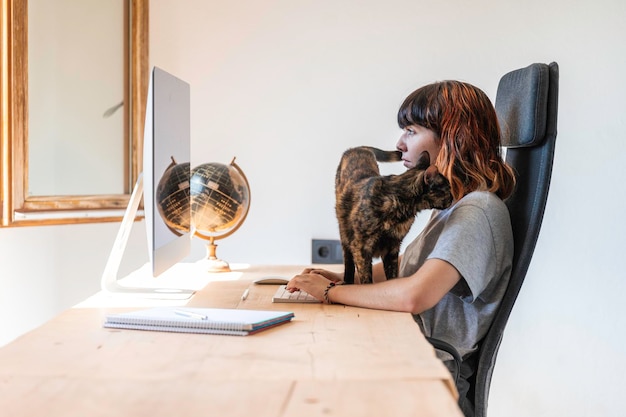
pixel 385 156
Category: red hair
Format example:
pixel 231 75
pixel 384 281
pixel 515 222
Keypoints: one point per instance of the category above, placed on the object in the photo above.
pixel 466 127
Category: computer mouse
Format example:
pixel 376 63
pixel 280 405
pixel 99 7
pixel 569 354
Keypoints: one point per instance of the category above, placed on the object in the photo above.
pixel 272 279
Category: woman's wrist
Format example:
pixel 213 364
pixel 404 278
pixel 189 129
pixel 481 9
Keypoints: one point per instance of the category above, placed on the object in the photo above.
pixel 330 286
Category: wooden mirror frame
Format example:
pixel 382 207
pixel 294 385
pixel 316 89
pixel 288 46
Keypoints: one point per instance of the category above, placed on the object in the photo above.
pixel 17 207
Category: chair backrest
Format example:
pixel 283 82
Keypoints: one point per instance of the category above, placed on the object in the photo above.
pixel 527 106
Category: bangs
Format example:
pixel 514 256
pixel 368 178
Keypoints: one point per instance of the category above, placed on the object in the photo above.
pixel 415 109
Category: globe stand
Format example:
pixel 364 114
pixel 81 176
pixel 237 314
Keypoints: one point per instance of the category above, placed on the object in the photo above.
pixel 214 263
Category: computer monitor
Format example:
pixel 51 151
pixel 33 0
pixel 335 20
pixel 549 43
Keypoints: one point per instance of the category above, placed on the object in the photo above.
pixel 164 185
pixel 166 157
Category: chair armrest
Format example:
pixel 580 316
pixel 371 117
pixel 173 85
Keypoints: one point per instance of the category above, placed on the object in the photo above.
pixel 448 348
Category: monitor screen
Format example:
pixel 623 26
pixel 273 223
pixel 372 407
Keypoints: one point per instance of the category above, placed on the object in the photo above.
pixel 166 170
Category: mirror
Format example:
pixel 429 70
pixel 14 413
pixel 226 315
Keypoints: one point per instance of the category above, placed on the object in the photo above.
pixel 95 189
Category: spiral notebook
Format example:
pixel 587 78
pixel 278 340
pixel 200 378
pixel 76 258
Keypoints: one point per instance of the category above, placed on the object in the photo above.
pixel 198 320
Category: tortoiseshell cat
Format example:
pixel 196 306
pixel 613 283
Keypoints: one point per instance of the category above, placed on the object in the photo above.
pixel 375 212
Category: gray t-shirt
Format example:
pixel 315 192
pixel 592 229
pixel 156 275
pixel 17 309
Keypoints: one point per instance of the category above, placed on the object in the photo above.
pixel 474 235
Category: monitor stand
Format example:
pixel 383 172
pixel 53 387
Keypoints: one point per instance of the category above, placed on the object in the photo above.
pixel 109 281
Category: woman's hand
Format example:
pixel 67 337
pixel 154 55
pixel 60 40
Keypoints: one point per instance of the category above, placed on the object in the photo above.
pixel 311 282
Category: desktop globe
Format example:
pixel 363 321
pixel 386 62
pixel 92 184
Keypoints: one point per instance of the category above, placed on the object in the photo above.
pixel 220 200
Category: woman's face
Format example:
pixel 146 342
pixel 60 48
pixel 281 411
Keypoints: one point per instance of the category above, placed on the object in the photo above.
pixel 414 140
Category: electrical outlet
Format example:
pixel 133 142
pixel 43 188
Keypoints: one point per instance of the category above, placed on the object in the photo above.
pixel 326 251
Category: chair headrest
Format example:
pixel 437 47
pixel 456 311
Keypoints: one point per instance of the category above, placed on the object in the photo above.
pixel 521 105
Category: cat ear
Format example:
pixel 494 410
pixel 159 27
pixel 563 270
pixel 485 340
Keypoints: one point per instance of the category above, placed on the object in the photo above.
pixel 430 173
pixel 423 161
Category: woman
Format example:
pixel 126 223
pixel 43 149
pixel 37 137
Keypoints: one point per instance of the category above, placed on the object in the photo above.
pixel 454 274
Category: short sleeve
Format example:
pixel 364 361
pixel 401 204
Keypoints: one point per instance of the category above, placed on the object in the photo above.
pixel 467 243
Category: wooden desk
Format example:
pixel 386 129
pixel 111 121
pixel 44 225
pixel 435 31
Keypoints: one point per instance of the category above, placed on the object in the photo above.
pixel 331 360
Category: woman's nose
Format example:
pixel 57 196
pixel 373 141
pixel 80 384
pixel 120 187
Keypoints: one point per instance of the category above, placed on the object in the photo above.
pixel 400 145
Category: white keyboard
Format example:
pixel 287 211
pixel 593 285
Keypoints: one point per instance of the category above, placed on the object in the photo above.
pixel 284 296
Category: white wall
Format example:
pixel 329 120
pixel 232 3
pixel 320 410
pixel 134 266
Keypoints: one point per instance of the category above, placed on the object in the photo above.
pixel 287 85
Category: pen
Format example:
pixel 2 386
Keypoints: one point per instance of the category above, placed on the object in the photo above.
pixel 245 294
pixel 190 314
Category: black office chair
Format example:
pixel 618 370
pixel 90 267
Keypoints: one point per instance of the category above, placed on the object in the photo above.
pixel 527 107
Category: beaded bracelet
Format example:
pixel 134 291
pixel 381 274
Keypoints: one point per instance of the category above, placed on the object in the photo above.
pixel 326 299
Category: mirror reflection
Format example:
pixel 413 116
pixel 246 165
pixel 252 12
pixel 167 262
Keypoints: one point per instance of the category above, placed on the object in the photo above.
pixel 76 97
